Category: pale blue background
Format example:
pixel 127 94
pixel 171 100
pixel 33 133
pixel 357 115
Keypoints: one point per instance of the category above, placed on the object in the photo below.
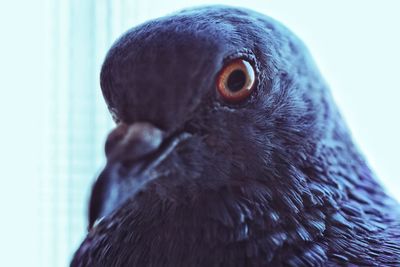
pixel 54 121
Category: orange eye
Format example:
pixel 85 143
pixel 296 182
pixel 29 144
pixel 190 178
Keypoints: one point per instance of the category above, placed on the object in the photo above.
pixel 236 80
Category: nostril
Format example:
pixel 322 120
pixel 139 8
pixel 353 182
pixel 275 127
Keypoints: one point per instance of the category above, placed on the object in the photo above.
pixel 131 142
pixel 145 133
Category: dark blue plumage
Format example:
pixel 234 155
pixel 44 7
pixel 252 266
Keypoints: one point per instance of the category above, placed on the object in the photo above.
pixel 195 180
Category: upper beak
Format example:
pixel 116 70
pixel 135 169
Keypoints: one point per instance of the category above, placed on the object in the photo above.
pixel 137 149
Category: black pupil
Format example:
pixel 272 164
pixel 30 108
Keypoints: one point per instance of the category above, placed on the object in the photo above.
pixel 236 80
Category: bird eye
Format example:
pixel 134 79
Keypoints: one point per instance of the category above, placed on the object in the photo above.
pixel 236 80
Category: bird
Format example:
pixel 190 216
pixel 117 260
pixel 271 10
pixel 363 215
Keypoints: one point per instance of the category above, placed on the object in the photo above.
pixel 229 150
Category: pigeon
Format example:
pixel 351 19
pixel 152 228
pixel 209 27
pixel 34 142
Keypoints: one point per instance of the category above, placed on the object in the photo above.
pixel 229 150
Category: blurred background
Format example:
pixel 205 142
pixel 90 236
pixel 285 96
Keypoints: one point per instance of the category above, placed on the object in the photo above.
pixel 54 120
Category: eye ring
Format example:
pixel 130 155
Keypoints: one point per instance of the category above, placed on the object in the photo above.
pixel 236 80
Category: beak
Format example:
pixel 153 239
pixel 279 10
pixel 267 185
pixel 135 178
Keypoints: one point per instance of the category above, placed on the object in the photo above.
pixel 132 151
